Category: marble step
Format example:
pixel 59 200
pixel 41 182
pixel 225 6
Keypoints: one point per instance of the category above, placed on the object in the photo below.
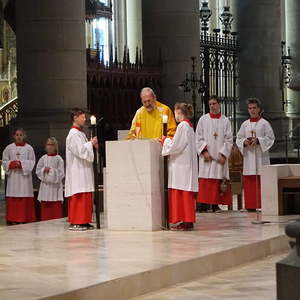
pixel 220 242
pixel 252 281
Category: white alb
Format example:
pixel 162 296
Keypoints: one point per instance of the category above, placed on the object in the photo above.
pixel 182 153
pixel 51 187
pixel 19 181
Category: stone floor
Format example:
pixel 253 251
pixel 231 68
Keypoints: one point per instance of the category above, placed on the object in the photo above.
pixel 254 281
pixel 44 259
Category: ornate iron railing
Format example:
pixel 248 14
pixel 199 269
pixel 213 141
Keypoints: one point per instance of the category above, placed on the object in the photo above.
pixel 219 65
pixel 8 111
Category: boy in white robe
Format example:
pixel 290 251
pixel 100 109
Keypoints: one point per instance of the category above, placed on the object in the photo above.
pixel 214 142
pixel 254 140
pixel 79 184
pixel 18 160
pixel 50 170
pixel 182 170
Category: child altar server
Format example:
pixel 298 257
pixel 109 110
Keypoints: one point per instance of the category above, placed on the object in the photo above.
pixel 50 170
pixel 18 160
pixel 214 142
pixel 79 185
pixel 182 168
pixel 254 139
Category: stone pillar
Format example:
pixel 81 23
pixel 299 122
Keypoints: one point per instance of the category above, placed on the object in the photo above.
pixel 51 64
pixel 134 26
pixel 120 26
pixel 293 40
pixel 171 26
pixel 259 33
pixel 89 34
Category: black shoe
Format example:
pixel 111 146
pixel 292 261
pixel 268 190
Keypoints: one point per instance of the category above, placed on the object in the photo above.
pixel 216 208
pixel 76 227
pixel 89 226
pixel 202 207
pixel 188 226
pixel 178 227
pixel 10 223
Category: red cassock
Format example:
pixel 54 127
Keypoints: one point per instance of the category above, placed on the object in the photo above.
pixel 252 191
pixel 182 206
pixel 209 192
pixel 80 208
pixel 20 209
pixel 51 210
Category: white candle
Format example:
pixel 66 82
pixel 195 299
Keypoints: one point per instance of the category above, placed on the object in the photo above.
pixel 93 120
pixel 165 119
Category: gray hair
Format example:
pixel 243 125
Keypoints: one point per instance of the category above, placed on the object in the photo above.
pixel 148 90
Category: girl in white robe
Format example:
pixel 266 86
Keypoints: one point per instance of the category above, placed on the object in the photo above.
pixel 18 160
pixel 50 170
pixel 182 168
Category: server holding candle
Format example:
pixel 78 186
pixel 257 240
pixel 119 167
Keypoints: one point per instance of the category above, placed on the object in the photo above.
pixel 149 119
pixel 79 185
pixel 254 140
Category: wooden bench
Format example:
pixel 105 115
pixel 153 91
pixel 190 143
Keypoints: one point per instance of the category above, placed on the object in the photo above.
pixel 288 182
pixel 235 174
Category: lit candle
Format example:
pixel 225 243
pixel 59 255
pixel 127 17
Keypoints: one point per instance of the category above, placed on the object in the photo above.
pixel 93 120
pixel 165 119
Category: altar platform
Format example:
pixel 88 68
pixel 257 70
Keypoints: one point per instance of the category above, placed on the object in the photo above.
pixel 46 261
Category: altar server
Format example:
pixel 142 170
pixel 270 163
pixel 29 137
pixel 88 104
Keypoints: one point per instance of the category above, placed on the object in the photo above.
pixel 50 170
pixel 18 161
pixel 182 170
pixel 214 142
pixel 254 139
pixel 79 185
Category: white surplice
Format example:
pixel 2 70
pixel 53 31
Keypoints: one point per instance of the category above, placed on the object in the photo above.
pixel 79 164
pixel 19 181
pixel 216 136
pixel 255 156
pixel 182 165
pixel 51 187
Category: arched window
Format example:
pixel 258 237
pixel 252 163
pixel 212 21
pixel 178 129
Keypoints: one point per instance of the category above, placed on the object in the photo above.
pixel 99 27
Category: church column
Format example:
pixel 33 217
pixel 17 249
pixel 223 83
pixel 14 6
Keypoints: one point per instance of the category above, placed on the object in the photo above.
pixel 134 26
pixel 172 26
pixel 120 26
pixel 51 64
pixel 259 33
pixel 293 40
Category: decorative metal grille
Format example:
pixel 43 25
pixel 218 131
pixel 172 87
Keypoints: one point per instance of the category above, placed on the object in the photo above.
pixel 219 65
pixel 8 112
